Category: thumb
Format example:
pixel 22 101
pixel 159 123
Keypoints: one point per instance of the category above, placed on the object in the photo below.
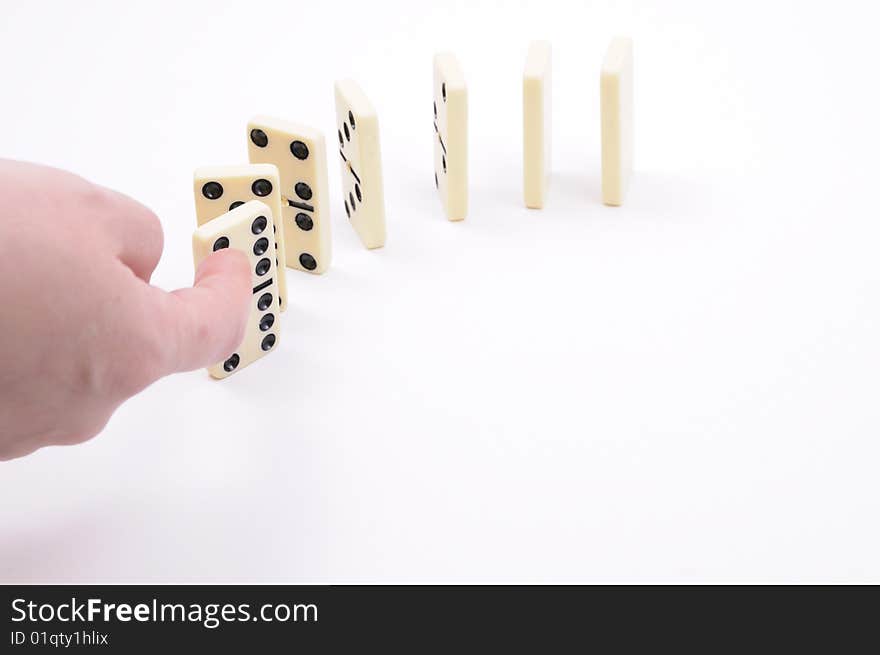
pixel 207 322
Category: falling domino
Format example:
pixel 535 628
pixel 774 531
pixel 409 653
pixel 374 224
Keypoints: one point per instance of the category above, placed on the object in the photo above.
pixel 451 136
pixel 219 189
pixel 301 157
pixel 361 161
pixel 248 228
pixel 616 91
pixel 536 124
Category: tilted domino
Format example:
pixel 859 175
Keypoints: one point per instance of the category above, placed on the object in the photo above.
pixel 361 163
pixel 536 124
pixel 247 228
pixel 451 136
pixel 300 154
pixel 616 91
pixel 219 189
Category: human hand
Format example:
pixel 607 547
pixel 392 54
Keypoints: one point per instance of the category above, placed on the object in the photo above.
pixel 81 328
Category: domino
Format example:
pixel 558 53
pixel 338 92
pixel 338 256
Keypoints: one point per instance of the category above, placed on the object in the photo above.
pixel 219 189
pixel 248 228
pixel 536 124
pixel 450 136
pixel 361 163
pixel 616 92
pixel 300 154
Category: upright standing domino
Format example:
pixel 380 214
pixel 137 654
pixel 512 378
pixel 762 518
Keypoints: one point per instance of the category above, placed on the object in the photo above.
pixel 361 161
pixel 536 124
pixel 450 136
pixel 247 228
pixel 616 90
pixel 300 154
pixel 219 189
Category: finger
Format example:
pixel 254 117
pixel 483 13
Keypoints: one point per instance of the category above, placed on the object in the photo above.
pixel 206 323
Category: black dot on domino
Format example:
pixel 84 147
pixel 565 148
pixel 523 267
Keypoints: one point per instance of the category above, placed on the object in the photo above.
pixel 357 192
pixel 435 109
pixel 263 266
pixel 231 364
pixel 347 133
pixel 237 203
pixel 265 302
pixel 221 243
pixel 259 224
pixel 308 262
pixel 261 246
pixel 303 190
pixel 341 140
pixel 347 210
pixel 259 138
pixel 299 150
pixel 444 163
pixel 268 342
pixel 436 181
pixel 443 88
pixel 351 199
pixel 304 222
pixel 266 322
pixel 351 119
pixel 261 187
pixel 212 190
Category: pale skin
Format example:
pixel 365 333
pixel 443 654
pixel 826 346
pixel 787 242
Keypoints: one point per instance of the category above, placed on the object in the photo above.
pixel 81 327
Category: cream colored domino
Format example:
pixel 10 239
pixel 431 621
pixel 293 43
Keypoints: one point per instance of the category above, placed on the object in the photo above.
pixel 300 154
pixel 219 189
pixel 616 91
pixel 247 228
pixel 536 124
pixel 450 136
pixel 361 161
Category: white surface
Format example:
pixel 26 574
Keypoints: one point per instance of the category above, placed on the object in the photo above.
pixel 684 388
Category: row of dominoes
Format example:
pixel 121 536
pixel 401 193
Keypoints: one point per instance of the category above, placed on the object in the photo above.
pixel 276 209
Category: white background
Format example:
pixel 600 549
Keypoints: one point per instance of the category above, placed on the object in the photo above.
pixel 684 388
